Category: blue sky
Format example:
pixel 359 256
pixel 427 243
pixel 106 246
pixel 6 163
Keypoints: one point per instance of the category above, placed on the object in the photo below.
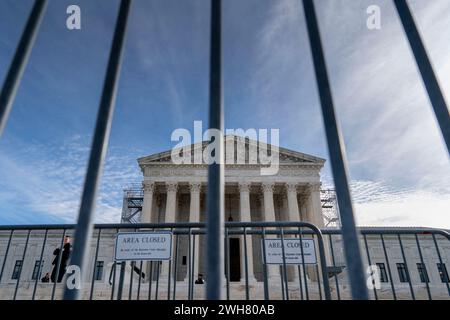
pixel 398 164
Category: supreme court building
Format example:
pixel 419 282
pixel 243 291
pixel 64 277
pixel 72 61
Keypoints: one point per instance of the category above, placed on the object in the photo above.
pixel 177 192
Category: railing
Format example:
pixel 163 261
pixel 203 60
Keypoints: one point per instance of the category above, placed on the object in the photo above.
pixel 215 225
pixel 411 258
pixel 411 263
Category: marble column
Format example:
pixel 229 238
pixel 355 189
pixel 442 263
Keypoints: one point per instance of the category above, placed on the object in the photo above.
pixel 146 215
pixel 269 215
pixel 309 212
pixel 293 212
pixel 244 208
pixel 302 207
pixel 269 209
pixel 171 201
pixel 194 216
pixel 316 205
pixel 293 215
pixel 171 206
pixel 318 217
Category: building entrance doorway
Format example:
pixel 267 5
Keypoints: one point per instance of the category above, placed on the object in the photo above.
pixel 235 259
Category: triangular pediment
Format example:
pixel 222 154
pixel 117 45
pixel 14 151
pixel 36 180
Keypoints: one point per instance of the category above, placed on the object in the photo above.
pixel 240 148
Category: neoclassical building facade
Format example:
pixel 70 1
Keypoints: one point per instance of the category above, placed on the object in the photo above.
pixel 175 192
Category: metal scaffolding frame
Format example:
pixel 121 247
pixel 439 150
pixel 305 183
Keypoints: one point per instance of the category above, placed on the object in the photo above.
pixel 133 199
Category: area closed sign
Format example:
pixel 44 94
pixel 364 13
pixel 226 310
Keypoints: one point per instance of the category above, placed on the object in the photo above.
pixel 292 251
pixel 143 246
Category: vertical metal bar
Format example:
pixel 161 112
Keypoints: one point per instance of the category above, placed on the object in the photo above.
pixel 286 288
pixel 40 264
pixel 130 289
pixel 334 265
pixel 83 231
pixel 227 262
pixel 113 267
pixel 388 267
pixel 158 269
pixel 6 254
pixel 303 264
pixel 193 266
pixel 176 268
pixel 370 263
pixel 442 263
pixel 336 150
pixel 169 278
pixel 23 264
pixel 318 282
pixel 215 199
pixel 247 293
pixel 318 276
pixel 323 265
pixel 406 267
pixel 113 286
pixel 123 264
pixel 95 262
pixel 150 280
pixel 429 78
pixel 300 285
pixel 266 280
pixel 423 263
pixel 19 62
pixel 140 280
pixel 189 264
pixel 58 264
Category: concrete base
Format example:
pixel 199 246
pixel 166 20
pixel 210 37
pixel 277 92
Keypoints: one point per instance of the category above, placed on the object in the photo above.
pixel 237 290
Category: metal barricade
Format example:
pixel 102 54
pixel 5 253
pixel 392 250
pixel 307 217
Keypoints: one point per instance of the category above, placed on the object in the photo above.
pixel 411 263
pixel 215 175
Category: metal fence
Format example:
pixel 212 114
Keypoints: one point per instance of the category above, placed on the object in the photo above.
pixel 410 263
pixel 215 225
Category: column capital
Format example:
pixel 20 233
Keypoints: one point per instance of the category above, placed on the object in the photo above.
pixel 314 187
pixel 303 197
pixel 291 187
pixel 195 187
pixel 148 186
pixel 172 186
pixel 159 199
pixel 260 198
pixel 267 187
pixel 244 186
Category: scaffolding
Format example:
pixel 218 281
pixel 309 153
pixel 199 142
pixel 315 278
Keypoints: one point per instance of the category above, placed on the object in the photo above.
pixel 330 208
pixel 133 198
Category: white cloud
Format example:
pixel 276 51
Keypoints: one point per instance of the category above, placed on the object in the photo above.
pixel 379 203
pixel 398 163
pixel 47 180
pixel 419 208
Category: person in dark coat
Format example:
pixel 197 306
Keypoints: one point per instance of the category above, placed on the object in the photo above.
pixel 46 278
pixel 200 279
pixel 64 259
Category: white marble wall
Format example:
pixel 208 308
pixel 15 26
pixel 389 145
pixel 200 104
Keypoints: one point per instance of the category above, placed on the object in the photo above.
pixel 106 253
